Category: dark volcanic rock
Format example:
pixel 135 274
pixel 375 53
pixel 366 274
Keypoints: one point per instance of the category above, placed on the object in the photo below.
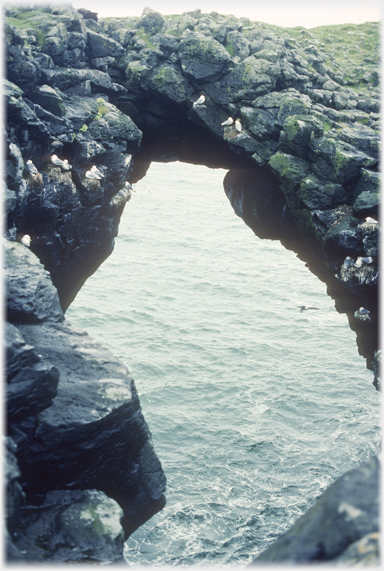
pixel 31 383
pixel 31 296
pixel 348 511
pixel 75 417
pixel 48 98
pixel 72 526
pixel 203 58
pixel 117 94
pixel 150 21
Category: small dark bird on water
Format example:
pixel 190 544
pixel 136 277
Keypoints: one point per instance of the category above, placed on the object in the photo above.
pixel 304 307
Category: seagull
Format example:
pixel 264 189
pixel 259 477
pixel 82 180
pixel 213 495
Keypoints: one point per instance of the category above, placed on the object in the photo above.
pixel 56 161
pixel 26 240
pixel 364 311
pixel 370 220
pixel 95 170
pixel 92 175
pixel 128 186
pixel 348 262
pixel 229 121
pixel 363 314
pixel 237 125
pixel 31 167
pixel 66 166
pixel 360 261
pixel 127 161
pixel 200 101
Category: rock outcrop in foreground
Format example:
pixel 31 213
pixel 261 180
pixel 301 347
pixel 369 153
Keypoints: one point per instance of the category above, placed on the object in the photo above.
pixel 343 526
pixel 301 146
pixel 82 472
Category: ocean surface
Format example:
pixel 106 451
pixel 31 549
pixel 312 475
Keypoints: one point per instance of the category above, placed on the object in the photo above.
pixel 255 406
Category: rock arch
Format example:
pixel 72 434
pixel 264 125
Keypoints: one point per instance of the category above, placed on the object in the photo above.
pixel 122 92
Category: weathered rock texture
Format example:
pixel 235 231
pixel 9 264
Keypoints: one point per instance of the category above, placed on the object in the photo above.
pixel 342 527
pixel 82 473
pixel 118 94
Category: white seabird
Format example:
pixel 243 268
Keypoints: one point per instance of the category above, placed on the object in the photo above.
pixel 128 160
pixel 66 166
pixel 92 175
pixel 229 121
pixel 360 261
pixel 200 101
pixel 370 220
pixel 56 161
pixel 237 125
pixel 26 240
pixel 128 186
pixel 95 170
pixel 348 262
pixel 364 311
pixel 31 167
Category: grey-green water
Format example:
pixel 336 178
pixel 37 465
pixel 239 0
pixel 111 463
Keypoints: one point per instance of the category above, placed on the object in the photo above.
pixel 255 407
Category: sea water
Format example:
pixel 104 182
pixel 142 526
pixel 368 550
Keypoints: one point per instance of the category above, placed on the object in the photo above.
pixel 255 406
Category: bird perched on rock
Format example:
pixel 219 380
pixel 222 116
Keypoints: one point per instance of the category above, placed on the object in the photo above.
pixel 370 220
pixel 363 314
pixel 128 186
pixel 92 175
pixel 56 161
pixel 66 166
pixel 348 262
pixel 26 240
pixel 95 170
pixel 31 167
pixel 364 311
pixel 229 121
pixel 360 261
pixel 128 160
pixel 237 125
pixel 200 101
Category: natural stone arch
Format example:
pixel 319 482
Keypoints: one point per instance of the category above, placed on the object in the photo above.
pixel 120 93
pixel 107 92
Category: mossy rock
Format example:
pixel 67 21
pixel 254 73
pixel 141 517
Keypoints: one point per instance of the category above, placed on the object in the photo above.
pixel 320 195
pixel 48 98
pixel 168 81
pixel 338 160
pixel 102 46
pixel 151 21
pixel 290 170
pixel 202 57
pixel 298 131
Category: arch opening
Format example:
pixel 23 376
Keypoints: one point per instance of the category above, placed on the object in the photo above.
pixel 248 435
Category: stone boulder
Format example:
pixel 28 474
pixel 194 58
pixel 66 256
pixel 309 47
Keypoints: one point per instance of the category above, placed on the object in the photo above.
pixel 346 513
pixel 203 58
pixel 151 21
pixel 49 99
pixel 78 434
pixel 73 526
pixel 31 383
pixel 99 46
pixel 30 295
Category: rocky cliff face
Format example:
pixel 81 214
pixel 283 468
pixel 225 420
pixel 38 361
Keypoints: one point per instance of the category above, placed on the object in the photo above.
pixel 82 472
pixel 120 93
pixel 301 143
